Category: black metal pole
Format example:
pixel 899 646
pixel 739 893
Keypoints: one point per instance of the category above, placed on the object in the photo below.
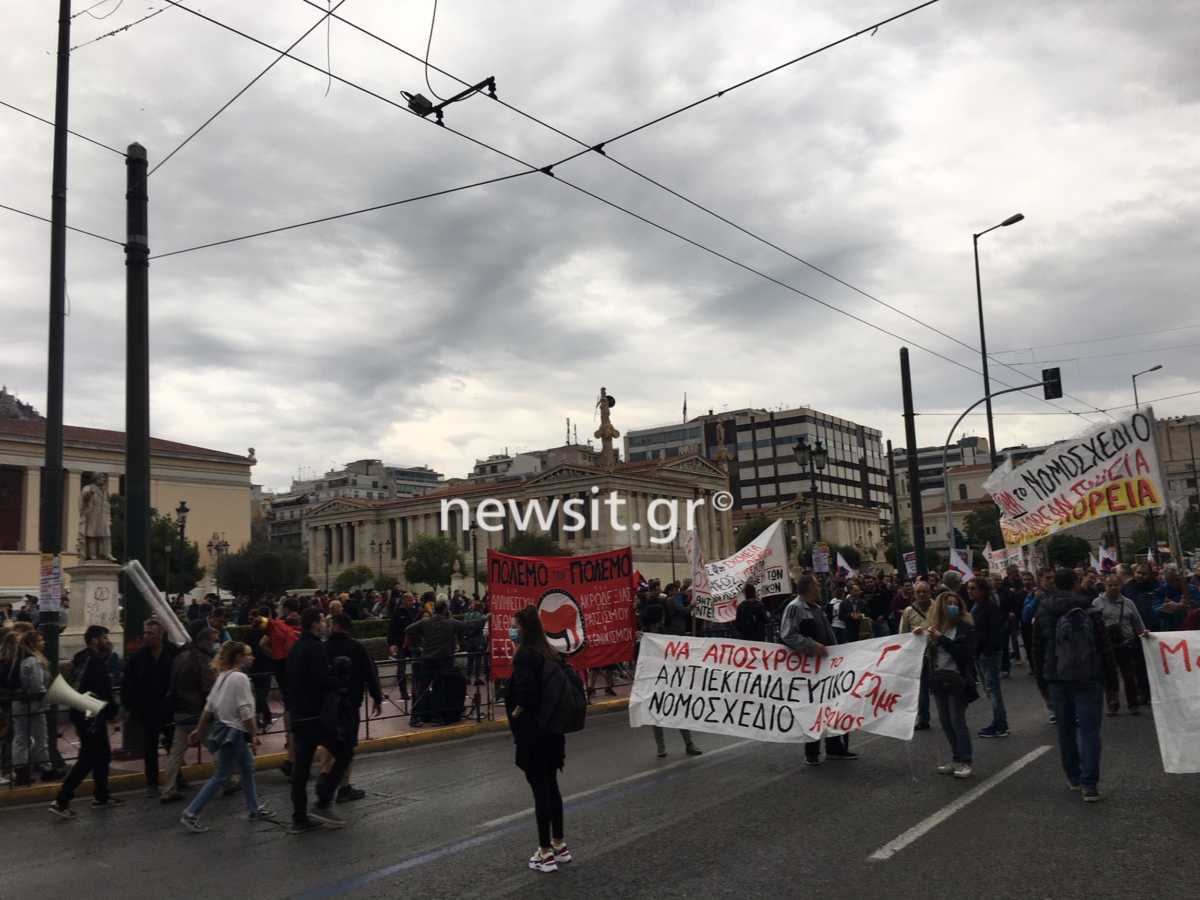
pixel 897 541
pixel 53 475
pixel 179 566
pixel 475 560
pixel 914 476
pixel 137 382
pixel 812 474
pixel 987 384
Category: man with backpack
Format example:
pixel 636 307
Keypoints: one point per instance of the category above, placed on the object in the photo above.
pixel 1073 655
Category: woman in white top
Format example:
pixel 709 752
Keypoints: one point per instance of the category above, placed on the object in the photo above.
pixel 230 710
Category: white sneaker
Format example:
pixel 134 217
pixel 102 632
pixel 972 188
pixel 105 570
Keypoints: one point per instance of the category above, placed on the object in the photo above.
pixel 947 768
pixel 540 863
pixel 192 823
pixel 562 853
pixel 962 770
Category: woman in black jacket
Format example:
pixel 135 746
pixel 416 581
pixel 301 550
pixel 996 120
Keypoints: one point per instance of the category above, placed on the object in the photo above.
pixel 952 680
pixel 540 754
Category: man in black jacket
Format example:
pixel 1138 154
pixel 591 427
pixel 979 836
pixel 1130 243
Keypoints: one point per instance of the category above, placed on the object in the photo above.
pixel 751 617
pixel 1073 655
pixel 991 636
pixel 402 616
pixel 147 695
pixel 438 636
pixel 90 675
pixel 312 702
pixel 361 678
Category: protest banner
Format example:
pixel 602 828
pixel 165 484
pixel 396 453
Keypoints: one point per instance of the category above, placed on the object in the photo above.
pixel 820 558
pixel 585 604
pixel 1108 559
pixel 844 569
pixel 1110 469
pixel 50 581
pixel 958 562
pixel 1173 663
pixel 910 563
pixel 762 562
pixel 768 692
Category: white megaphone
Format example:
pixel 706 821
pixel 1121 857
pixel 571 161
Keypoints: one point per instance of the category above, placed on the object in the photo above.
pixel 62 694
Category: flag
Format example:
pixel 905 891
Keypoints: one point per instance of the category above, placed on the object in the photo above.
pixel 843 568
pixel 1150 554
pixel 1108 559
pixel 989 556
pixel 958 562
pixel 1095 562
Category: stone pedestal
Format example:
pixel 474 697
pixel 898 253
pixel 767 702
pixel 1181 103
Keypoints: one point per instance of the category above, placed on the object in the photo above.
pixel 94 601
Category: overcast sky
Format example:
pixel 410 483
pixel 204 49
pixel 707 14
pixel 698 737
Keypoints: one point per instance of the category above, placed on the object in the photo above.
pixel 448 329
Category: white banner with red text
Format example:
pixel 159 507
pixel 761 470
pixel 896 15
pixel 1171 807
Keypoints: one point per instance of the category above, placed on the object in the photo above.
pixel 1173 662
pixel 768 692
pixel 717 586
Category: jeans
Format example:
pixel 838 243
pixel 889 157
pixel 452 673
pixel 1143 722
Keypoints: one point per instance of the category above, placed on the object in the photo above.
pixel 923 695
pixel 1079 744
pixel 989 668
pixel 233 754
pixel 547 803
pixel 1127 658
pixel 952 713
pixel 306 737
pixel 30 743
pixel 660 738
pixel 95 755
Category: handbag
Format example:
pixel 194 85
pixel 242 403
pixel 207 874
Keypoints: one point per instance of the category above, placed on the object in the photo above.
pixel 219 734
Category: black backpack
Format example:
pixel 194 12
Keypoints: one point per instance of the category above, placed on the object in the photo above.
pixel 564 702
pixel 1077 658
pixel 654 612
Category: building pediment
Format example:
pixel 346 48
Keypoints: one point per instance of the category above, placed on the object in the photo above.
pixel 565 472
pixel 693 465
pixel 339 507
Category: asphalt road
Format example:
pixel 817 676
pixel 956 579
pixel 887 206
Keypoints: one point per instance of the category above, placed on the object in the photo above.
pixel 455 820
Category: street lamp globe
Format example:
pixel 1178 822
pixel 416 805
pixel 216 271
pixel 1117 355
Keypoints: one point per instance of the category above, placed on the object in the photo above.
pixel 820 456
pixel 803 452
pixel 181 513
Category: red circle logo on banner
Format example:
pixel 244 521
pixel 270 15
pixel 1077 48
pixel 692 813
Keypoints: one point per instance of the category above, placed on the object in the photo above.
pixel 562 620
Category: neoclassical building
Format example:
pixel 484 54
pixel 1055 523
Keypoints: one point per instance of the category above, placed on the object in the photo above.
pixel 375 533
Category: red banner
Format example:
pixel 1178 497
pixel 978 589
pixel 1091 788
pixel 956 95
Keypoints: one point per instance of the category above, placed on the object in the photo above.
pixel 585 604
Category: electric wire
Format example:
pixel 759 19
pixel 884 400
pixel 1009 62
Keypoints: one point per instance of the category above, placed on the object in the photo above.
pixel 82 137
pixel 1042 362
pixel 120 3
pixel 1099 340
pixel 428 46
pixel 99 237
pixel 118 30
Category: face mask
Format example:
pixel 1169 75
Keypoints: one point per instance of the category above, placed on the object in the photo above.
pixel 952 612
pixel 514 635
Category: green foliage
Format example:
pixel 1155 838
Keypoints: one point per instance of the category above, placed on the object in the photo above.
pixel 429 559
pixel 385 582
pixel 751 529
pixel 850 554
pixel 1067 550
pixel 261 568
pixel 353 578
pixel 983 527
pixel 170 569
pixel 535 544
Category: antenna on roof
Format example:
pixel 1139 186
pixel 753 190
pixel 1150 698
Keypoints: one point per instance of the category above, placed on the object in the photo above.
pixel 568 430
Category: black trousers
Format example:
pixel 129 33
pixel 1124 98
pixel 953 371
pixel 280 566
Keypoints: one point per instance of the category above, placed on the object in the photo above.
pixel 95 756
pixel 151 738
pixel 306 737
pixel 834 743
pixel 547 803
pixel 261 684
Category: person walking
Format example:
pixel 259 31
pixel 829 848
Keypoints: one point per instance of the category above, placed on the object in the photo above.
pixel 361 678
pixel 540 754
pixel 1124 625
pixel 991 637
pixel 230 727
pixel 805 630
pixel 951 655
pixel 1075 659
pixel 656 619
pixel 192 678
pixel 312 700
pixel 147 695
pixel 403 615
pixel 914 616
pixel 90 673
pixel 750 621
pixel 24 659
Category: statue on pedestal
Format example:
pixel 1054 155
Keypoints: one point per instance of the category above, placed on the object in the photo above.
pixel 606 432
pixel 95 531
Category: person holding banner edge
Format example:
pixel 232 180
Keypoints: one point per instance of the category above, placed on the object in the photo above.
pixel 951 655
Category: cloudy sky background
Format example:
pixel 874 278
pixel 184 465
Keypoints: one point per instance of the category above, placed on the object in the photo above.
pixel 445 330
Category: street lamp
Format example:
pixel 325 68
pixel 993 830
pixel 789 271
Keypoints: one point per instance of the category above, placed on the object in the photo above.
pixel 218 546
pixel 380 546
pixel 1149 513
pixel 814 460
pixel 987 383
pixel 181 514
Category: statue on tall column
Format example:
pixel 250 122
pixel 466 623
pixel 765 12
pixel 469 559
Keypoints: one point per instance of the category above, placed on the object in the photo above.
pixel 606 432
pixel 95 532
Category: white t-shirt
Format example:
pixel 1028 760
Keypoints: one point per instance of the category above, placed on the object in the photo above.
pixel 231 701
pixel 942 659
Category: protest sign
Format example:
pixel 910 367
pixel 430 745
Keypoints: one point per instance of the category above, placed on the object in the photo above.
pixel 768 692
pixel 958 562
pixel 50 583
pixel 844 569
pixel 910 563
pixel 820 558
pixel 1110 469
pixel 762 562
pixel 1173 663
pixel 585 604
pixel 1108 559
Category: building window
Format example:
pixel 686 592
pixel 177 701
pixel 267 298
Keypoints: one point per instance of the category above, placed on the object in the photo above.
pixel 962 492
pixel 12 507
pixel 404 534
pixel 392 535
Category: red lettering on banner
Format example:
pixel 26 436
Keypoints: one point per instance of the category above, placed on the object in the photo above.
pixel 1112 495
pixel 835 720
pixel 1146 492
pixel 678 650
pixel 710 655
pixel 741 658
pixel 1181 647
pixel 886 650
pixel 1129 495
pixel 1143 467
pixel 1095 498
pixel 836 662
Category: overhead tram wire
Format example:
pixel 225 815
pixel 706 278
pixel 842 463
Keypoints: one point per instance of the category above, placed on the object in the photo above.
pixel 1039 412
pixel 324 18
pixel 82 137
pixel 116 31
pixel 601 148
pixel 1043 362
pixel 548 170
pixel 98 237
pixel 1100 340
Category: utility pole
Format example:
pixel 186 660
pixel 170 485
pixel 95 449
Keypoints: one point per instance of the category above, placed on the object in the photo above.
pixel 896 542
pixel 53 475
pixel 137 382
pixel 914 477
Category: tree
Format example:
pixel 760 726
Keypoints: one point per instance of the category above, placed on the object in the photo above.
pixel 1068 551
pixel 429 559
pixel 261 568
pixel 164 565
pixel 385 582
pixel 353 577
pixel 983 527
pixel 850 554
pixel 535 544
pixel 751 529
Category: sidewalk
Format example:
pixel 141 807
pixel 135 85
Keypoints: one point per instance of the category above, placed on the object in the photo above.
pixel 389 732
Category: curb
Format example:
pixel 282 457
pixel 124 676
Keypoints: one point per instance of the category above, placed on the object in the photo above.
pixel 46 792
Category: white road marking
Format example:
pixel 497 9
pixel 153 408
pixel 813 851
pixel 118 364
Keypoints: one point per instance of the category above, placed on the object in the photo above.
pixel 890 849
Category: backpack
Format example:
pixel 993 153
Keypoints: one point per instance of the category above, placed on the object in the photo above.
pixel 564 702
pixel 1075 652
pixel 653 613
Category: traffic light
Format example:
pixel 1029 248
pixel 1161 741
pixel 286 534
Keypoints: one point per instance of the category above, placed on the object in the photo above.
pixel 1051 384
